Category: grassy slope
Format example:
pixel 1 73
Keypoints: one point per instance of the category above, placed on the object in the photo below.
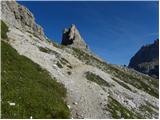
pixel 4 30
pixel 30 87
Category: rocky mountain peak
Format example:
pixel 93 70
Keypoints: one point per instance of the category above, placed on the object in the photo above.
pixel 18 16
pixel 146 60
pixel 73 38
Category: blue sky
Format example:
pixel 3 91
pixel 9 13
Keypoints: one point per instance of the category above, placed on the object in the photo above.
pixel 112 30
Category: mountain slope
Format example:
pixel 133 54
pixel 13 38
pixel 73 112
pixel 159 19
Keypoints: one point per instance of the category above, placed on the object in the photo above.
pixel 27 85
pixel 95 89
pixel 146 60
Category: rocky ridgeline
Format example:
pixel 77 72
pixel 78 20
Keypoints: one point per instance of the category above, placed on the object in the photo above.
pixel 72 37
pixel 16 15
pixel 146 60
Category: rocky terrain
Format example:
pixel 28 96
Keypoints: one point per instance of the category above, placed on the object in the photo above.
pixel 95 89
pixel 146 60
pixel 72 37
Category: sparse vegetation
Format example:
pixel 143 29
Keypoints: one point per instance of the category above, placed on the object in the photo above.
pixel 69 66
pixel 150 105
pixel 59 64
pixel 64 61
pixel 30 87
pixel 4 30
pixel 148 110
pixel 119 111
pixel 122 84
pixel 55 44
pixel 141 82
pixel 97 79
pixel 69 72
pixel 47 50
pixel 134 81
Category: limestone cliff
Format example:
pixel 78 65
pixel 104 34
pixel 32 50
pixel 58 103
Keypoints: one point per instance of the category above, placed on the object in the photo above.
pixel 18 16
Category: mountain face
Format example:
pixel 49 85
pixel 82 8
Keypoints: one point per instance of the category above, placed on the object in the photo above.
pixel 72 37
pixel 95 89
pixel 18 16
pixel 146 60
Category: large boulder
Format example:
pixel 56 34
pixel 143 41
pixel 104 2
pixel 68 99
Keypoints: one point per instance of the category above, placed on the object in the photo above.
pixel 146 60
pixel 72 37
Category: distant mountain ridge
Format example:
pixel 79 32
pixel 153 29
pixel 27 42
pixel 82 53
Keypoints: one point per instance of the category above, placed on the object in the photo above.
pixel 146 60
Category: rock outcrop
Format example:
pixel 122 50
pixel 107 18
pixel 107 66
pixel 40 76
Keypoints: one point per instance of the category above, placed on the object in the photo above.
pixel 18 16
pixel 146 60
pixel 72 37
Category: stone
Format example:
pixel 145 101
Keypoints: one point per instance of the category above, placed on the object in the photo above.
pixel 72 37
pixel 12 104
pixel 69 107
pixel 75 103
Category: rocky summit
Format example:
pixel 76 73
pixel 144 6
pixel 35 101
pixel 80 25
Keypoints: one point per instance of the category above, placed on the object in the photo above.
pixel 72 37
pixel 146 60
pixel 42 79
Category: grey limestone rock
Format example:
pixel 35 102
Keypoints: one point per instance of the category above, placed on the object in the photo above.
pixel 16 15
pixel 72 37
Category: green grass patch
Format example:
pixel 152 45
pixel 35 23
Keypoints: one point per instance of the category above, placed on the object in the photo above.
pixel 4 30
pixel 97 79
pixel 30 87
pixel 119 111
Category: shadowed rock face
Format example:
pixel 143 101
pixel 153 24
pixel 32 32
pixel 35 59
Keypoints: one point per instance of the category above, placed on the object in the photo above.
pixel 73 38
pixel 146 60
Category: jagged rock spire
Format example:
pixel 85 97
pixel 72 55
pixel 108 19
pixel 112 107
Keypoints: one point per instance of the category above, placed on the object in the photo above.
pixel 73 38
